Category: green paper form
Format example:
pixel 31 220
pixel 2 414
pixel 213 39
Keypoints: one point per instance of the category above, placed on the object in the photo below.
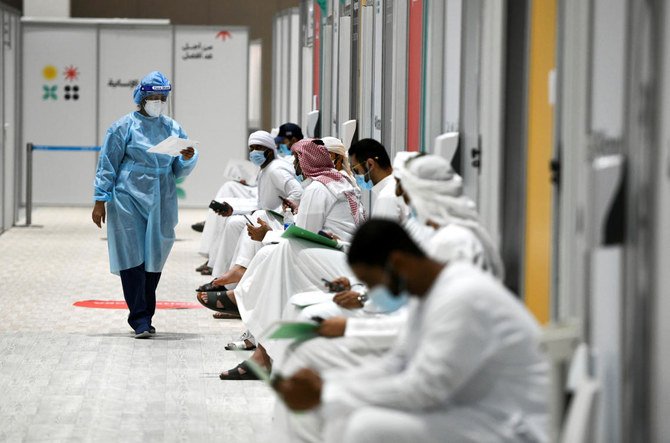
pixel 293 330
pixel 294 231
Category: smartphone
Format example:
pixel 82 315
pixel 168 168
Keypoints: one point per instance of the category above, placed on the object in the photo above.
pixel 325 234
pixel 332 287
pixel 248 220
pixel 219 207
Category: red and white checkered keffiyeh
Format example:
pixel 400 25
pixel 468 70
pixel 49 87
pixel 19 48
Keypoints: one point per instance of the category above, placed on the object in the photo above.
pixel 316 164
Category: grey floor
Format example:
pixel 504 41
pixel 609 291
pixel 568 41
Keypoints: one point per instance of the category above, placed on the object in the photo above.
pixel 76 374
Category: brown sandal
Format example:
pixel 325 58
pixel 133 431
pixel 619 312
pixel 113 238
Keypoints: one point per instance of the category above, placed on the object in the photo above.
pixel 227 315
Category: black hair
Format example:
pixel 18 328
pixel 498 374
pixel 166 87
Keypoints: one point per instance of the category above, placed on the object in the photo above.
pixel 376 239
pixel 369 148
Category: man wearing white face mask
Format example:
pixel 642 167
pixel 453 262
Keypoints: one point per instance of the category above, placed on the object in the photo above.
pixel 468 367
pixel 138 189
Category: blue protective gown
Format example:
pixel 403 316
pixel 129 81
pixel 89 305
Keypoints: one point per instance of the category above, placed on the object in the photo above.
pixel 140 191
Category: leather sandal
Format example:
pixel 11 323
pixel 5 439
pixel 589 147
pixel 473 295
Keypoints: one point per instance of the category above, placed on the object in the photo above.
pixel 227 315
pixel 211 287
pixel 213 298
pixel 236 373
pixel 240 345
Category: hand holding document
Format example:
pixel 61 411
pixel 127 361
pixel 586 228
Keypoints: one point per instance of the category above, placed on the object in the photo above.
pixel 172 145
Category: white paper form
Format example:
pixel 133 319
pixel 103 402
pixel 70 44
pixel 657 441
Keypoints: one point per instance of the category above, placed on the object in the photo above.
pixel 172 146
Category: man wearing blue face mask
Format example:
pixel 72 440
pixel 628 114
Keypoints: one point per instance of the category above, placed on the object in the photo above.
pixel 467 368
pixel 373 171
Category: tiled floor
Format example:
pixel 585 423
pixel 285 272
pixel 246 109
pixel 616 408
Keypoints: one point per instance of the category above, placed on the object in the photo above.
pixel 76 374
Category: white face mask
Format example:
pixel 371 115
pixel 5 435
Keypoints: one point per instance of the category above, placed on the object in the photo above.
pixel 155 107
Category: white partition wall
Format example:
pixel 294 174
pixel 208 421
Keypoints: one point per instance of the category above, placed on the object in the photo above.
pixel 59 108
pixel 210 101
pixel 255 83
pixel 126 57
pixel 79 79
pixel 286 68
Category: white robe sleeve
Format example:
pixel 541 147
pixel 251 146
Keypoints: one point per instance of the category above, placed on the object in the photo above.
pixel 382 326
pixel 286 182
pixel 316 203
pixel 454 344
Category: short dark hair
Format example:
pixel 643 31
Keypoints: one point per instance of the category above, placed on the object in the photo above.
pixel 376 239
pixel 370 148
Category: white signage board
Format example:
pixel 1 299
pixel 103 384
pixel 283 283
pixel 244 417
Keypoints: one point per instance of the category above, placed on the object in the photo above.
pixel 59 108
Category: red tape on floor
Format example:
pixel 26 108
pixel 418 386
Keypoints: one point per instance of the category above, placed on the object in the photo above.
pixel 120 304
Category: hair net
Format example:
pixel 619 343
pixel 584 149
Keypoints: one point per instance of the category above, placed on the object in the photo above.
pixel 436 193
pixel 263 138
pixel 153 83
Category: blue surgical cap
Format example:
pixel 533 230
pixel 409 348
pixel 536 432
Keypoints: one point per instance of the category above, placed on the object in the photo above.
pixel 153 83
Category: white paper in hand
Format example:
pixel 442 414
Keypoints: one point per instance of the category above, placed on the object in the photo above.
pixel 172 146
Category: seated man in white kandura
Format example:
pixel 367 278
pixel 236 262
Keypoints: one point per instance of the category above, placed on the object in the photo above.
pixel 239 183
pixel 467 368
pixel 353 332
pixel 330 203
pixel 276 180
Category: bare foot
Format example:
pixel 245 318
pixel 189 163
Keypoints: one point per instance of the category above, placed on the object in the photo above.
pixel 233 275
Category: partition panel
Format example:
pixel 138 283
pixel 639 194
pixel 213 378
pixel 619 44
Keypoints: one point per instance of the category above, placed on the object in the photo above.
pixel 213 115
pixel 59 108
pixel 126 55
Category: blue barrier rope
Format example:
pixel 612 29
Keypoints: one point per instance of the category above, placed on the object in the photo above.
pixel 65 148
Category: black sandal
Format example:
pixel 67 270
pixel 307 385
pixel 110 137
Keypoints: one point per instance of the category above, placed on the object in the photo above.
pixel 211 287
pixel 236 374
pixel 213 298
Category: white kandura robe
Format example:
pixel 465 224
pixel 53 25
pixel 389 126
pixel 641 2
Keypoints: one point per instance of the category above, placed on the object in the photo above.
pixel 368 334
pixel 468 366
pixel 279 271
pixel 214 223
pixel 275 180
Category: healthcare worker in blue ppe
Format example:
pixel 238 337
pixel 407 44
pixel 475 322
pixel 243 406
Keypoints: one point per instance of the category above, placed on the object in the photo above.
pixel 138 188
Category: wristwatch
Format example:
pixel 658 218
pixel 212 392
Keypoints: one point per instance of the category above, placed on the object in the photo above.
pixel 362 298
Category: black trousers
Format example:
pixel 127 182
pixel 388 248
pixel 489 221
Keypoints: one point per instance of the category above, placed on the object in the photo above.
pixel 139 290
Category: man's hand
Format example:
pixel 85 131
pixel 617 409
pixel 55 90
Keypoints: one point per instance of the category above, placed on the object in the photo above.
pixel 227 213
pixel 332 327
pixel 343 282
pixel 98 213
pixel 302 391
pixel 187 153
pixel 348 300
pixel 258 233
pixel 293 206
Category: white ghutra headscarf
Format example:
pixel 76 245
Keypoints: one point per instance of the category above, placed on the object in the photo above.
pixel 436 193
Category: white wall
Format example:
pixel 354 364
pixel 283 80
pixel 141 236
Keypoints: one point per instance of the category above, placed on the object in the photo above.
pixel 46 8
pixel 108 57
pixel 660 351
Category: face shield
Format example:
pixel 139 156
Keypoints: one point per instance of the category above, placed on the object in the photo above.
pixel 155 94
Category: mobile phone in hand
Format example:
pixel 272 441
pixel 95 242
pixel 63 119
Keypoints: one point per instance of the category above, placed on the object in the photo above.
pixel 325 234
pixel 248 220
pixel 333 287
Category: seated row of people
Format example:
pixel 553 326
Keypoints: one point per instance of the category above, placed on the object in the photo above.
pixel 436 349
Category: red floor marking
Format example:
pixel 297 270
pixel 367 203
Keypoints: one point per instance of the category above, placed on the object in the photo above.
pixel 120 304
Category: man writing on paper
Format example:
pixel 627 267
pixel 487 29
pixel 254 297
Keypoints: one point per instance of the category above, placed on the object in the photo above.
pixel 139 190
pixel 467 368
